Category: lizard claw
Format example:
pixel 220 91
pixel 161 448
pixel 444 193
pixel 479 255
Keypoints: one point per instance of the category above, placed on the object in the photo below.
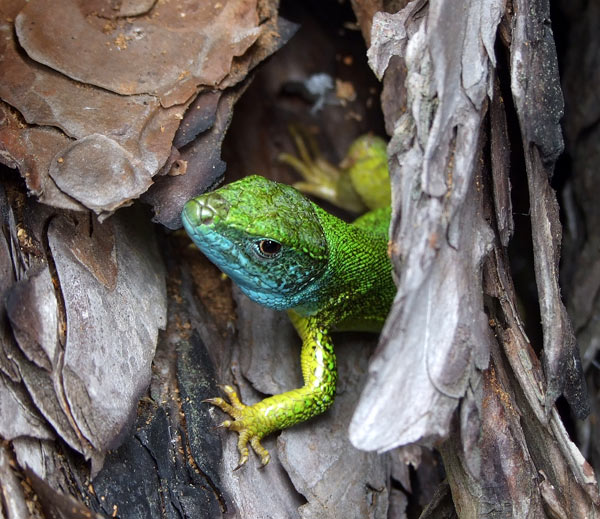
pixel 263 453
pixel 245 422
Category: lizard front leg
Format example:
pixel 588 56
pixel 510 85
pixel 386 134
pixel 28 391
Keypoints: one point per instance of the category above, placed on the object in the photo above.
pixel 277 412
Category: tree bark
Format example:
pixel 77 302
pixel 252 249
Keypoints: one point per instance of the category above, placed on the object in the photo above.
pixel 478 365
pixel 484 393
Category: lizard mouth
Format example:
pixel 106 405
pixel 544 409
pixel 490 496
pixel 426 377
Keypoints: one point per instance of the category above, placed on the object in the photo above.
pixel 203 209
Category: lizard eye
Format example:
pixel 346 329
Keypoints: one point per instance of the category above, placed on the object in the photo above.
pixel 269 248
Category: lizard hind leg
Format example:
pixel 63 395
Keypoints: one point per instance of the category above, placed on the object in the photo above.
pixel 320 178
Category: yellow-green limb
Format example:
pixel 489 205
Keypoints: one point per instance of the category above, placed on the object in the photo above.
pixel 277 412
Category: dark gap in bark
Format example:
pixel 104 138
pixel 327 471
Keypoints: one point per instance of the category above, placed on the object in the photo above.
pixel 520 249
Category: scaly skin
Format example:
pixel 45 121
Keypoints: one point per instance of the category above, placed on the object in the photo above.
pixel 287 253
pixel 366 164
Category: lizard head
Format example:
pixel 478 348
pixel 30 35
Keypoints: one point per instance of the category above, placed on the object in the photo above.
pixel 265 236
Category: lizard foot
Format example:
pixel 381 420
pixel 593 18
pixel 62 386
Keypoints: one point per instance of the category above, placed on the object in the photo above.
pixel 320 178
pixel 246 422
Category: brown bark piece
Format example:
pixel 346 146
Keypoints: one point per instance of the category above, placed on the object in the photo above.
pixel 172 50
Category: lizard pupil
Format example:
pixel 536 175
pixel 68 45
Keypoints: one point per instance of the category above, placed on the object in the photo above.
pixel 269 247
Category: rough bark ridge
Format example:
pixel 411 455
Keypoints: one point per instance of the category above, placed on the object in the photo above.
pixel 455 343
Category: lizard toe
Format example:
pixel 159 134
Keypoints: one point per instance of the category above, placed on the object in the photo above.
pixel 262 453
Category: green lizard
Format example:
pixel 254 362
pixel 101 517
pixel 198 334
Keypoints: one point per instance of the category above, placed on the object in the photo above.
pixel 287 253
